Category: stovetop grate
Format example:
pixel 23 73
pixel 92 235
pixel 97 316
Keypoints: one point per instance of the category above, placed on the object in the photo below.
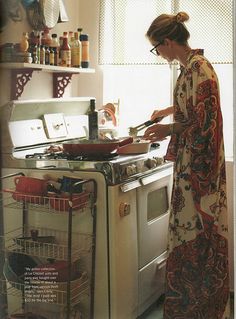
pixel 62 155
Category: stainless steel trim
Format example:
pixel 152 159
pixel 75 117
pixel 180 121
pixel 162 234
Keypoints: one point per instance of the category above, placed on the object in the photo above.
pixel 129 186
pixel 162 262
pixel 156 176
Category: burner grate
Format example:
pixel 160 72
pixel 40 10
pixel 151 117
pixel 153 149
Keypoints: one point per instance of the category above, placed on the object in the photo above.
pixel 69 157
pixel 58 155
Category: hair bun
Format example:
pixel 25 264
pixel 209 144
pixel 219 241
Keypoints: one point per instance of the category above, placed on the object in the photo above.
pixel 181 17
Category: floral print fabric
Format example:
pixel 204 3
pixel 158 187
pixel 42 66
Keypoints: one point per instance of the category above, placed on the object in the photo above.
pixel 197 277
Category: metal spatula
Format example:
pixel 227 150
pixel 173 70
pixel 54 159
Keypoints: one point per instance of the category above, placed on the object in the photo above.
pixel 133 131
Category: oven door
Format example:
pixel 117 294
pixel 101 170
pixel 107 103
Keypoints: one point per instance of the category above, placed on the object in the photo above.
pixel 153 200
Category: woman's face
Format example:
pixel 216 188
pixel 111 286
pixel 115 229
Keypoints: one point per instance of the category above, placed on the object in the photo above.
pixel 164 49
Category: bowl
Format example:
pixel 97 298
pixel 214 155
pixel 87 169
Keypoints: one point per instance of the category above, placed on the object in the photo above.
pixel 14 268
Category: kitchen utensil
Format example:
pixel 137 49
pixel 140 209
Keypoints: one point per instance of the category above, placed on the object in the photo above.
pixel 30 185
pixel 43 14
pixel 137 147
pixel 133 131
pixel 14 268
pixel 94 147
pixel 63 17
pixel 68 182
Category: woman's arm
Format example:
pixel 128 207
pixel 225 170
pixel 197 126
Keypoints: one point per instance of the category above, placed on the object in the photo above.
pixel 159 132
pixel 162 113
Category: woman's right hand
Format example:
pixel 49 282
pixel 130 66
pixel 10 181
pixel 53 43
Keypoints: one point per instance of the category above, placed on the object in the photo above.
pixel 162 113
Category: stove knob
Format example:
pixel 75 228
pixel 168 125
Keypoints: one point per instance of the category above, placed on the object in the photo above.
pixel 151 163
pixel 131 170
pixel 124 209
pixel 159 160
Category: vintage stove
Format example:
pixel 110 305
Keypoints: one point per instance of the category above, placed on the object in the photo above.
pixel 132 200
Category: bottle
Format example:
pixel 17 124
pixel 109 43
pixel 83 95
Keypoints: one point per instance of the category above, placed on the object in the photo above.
pixel 51 56
pixel 85 49
pixel 35 54
pixel 38 49
pixel 60 46
pixel 65 51
pixel 32 42
pixel 70 36
pixel 93 121
pixel 46 38
pixel 24 43
pixel 55 46
pixel 42 54
pixel 76 51
pixel 47 55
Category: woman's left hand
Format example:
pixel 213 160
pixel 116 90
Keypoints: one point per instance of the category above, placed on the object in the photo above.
pixel 157 132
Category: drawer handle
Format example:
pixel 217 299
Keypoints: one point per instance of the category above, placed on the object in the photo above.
pixel 161 264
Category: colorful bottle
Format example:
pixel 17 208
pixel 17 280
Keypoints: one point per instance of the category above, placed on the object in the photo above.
pixel 93 120
pixel 46 38
pixel 76 51
pixel 42 54
pixel 56 48
pixel 65 51
pixel 47 55
pixel 38 47
pixel 52 57
pixel 85 49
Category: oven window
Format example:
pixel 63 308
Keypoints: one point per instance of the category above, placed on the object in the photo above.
pixel 157 203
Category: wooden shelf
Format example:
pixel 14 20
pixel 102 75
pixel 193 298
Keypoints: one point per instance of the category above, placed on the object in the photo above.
pixel 45 68
pixel 21 74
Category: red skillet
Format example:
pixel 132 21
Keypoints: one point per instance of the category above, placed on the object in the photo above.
pixel 94 147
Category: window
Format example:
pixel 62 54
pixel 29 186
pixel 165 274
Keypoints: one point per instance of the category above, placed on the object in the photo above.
pixel 142 81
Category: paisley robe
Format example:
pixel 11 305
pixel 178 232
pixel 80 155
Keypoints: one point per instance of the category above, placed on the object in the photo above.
pixel 197 276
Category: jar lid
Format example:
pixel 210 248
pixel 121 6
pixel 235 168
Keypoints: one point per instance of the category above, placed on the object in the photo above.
pixel 83 37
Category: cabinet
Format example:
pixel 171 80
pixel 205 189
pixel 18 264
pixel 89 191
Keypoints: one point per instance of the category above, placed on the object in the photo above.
pixel 21 74
pixel 49 266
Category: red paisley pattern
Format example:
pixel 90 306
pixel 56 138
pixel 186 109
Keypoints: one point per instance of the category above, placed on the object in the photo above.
pixel 197 277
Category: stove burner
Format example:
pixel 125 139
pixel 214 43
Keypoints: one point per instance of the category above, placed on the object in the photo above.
pixel 58 155
pixel 94 157
pixel 61 155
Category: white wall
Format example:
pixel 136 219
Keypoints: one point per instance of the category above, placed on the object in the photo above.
pixel 40 86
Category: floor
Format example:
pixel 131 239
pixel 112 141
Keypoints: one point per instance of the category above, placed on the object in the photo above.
pixel 155 311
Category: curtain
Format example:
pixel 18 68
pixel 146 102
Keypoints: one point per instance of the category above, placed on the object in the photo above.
pixel 124 23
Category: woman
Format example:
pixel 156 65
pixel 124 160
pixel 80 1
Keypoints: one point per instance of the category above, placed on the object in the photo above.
pixel 197 277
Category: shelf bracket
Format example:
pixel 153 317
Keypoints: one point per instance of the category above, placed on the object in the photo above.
pixel 19 79
pixel 60 82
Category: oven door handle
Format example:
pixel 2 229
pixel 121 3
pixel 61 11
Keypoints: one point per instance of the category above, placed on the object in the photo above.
pixel 162 261
pixel 156 176
pixel 129 186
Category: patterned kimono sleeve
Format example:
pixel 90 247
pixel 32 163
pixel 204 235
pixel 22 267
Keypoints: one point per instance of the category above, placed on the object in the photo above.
pixel 204 134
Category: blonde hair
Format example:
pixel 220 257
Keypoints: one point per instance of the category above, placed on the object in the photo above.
pixel 169 26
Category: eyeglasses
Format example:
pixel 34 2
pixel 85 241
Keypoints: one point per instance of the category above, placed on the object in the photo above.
pixel 154 49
